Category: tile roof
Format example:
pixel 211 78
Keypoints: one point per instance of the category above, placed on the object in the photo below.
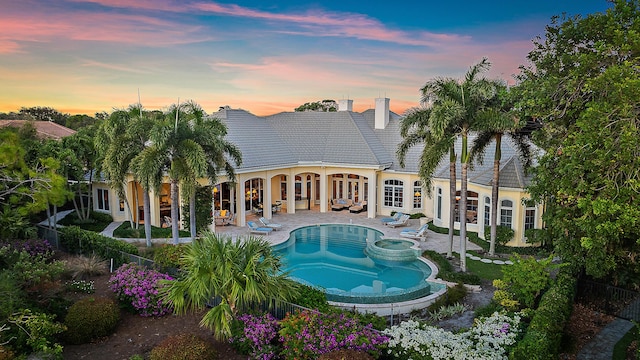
pixel 348 139
pixel 44 129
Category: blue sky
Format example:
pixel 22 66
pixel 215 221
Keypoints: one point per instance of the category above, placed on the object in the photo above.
pixel 85 56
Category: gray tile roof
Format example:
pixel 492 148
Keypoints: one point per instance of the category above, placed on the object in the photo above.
pixel 349 139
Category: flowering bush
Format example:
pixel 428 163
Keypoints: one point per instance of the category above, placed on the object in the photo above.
pixel 306 335
pixel 34 247
pixel 137 287
pixel 489 338
pixel 259 336
pixel 81 286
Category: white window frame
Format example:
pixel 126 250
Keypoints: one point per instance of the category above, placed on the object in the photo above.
pixel 532 224
pixel 393 193
pixel 417 189
pixel 439 203
pixel 102 197
pixel 503 213
pixel 487 211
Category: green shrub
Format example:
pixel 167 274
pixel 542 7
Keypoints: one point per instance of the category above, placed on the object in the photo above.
pixel 544 335
pixel 78 241
pixel 446 271
pixel 136 357
pixel 526 279
pixel 168 255
pixel 96 222
pixel 91 318
pixel 204 217
pixel 417 216
pixel 312 298
pixel 452 296
pixel 504 234
pixel 183 347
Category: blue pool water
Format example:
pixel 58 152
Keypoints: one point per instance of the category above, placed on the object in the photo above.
pixel 332 257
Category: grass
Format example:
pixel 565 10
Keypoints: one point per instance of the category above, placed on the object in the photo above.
pixel 125 231
pixel 96 222
pixel 620 349
pixel 485 271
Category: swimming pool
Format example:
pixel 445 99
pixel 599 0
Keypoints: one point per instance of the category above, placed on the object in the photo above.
pixel 333 257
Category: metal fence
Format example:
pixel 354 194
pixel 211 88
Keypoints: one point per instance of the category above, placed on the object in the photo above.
pixel 278 310
pixel 51 235
pixel 609 299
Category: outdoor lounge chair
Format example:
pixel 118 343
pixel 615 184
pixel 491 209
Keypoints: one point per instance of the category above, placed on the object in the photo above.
pixel 341 204
pixel 394 217
pixel 255 229
pixel 267 223
pixel 358 207
pixel 400 222
pixel 419 234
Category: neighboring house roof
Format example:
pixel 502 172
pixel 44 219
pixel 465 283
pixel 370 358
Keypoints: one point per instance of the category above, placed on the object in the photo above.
pixel 349 139
pixel 44 129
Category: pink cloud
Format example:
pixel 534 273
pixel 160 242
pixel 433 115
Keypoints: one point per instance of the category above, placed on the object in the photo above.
pixel 322 23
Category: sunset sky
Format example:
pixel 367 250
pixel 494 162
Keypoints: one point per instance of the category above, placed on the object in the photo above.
pixel 87 56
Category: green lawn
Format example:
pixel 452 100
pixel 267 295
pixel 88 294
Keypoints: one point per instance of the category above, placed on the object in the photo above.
pixel 485 271
pixel 125 231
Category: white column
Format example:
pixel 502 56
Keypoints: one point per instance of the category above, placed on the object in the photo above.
pixel 291 192
pixel 267 199
pixel 324 199
pixel 372 197
pixel 241 191
pixel 212 226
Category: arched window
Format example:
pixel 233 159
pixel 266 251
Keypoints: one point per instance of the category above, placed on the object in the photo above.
pixel 439 203
pixel 393 193
pixel 417 195
pixel 506 213
pixel 487 211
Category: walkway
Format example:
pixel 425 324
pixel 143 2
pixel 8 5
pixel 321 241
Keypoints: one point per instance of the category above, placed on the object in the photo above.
pixel 436 242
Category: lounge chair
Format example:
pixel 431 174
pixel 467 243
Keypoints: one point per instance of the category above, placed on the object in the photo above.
pixel 341 204
pixel 400 222
pixel 394 217
pixel 255 229
pixel 358 207
pixel 267 223
pixel 419 234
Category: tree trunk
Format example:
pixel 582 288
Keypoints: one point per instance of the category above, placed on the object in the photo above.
pixel 192 214
pixel 175 211
pixel 147 216
pixel 462 210
pixel 452 203
pixel 494 194
pixel 463 217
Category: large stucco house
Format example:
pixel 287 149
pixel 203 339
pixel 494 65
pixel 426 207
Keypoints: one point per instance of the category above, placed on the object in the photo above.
pixel 306 160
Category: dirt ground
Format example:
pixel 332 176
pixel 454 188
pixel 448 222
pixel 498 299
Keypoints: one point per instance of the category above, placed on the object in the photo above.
pixel 138 335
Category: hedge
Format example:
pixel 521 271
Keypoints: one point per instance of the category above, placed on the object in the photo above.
pixel 544 335
pixel 78 241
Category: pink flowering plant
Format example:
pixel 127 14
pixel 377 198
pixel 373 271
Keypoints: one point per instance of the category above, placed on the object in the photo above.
pixel 137 288
pixel 256 336
pixel 306 334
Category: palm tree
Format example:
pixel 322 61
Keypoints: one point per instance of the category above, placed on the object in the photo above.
pixel 496 121
pixel 118 141
pixel 414 128
pixel 455 110
pixel 187 147
pixel 239 272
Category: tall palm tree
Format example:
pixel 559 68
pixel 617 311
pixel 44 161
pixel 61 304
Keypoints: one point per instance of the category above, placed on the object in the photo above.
pixel 414 128
pixel 495 122
pixel 240 272
pixel 118 141
pixel 455 109
pixel 187 147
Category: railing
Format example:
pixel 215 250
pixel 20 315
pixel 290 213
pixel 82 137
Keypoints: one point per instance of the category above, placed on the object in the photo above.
pixel 609 299
pixel 278 310
pixel 51 235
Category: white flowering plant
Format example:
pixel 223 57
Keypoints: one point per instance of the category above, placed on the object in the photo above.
pixel 489 338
